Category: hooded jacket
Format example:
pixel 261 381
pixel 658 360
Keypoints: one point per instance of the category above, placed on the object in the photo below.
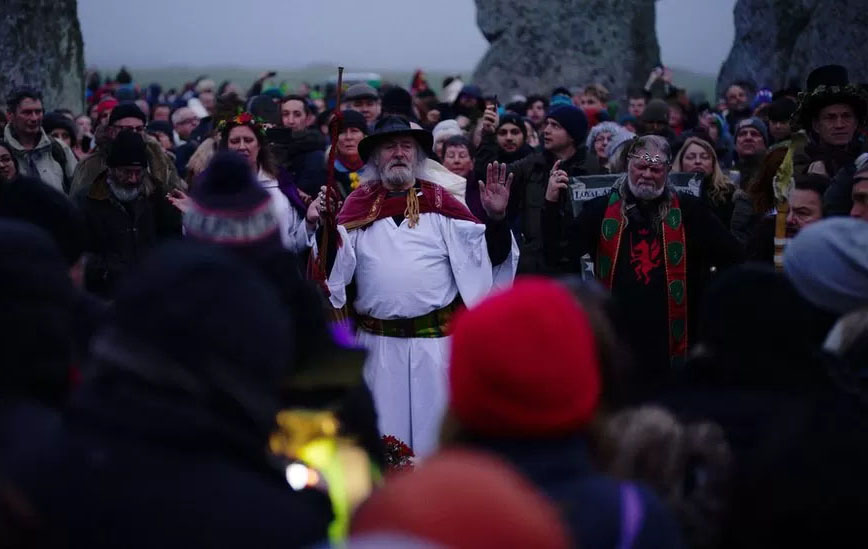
pixel 42 160
pixel 161 174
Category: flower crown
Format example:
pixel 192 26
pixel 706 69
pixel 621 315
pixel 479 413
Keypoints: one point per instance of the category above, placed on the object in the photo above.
pixel 243 118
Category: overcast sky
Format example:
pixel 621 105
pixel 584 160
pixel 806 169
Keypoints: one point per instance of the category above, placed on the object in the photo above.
pixel 693 34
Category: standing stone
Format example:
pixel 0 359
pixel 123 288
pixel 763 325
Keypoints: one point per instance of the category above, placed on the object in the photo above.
pixel 41 46
pixel 779 42
pixel 537 46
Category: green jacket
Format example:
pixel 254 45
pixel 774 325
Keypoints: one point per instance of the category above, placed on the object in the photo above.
pixel 161 175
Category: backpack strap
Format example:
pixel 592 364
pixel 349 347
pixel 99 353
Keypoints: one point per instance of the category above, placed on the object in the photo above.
pixel 632 514
pixel 59 156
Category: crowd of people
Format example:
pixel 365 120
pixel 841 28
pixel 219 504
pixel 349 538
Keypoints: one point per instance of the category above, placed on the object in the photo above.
pixel 388 317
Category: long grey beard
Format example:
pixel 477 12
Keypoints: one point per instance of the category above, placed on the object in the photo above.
pixel 398 177
pixel 125 193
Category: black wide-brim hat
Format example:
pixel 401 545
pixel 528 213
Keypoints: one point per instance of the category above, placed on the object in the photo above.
pixel 390 127
pixel 829 85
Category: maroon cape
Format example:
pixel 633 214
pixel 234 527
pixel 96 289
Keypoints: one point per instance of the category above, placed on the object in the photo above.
pixel 370 203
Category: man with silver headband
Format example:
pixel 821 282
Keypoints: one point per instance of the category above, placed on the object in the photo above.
pixel 654 249
pixel 414 255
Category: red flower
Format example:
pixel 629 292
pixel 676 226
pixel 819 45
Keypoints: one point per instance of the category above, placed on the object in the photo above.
pixel 399 456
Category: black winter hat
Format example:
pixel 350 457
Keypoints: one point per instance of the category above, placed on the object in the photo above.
pixel 656 110
pixel 397 100
pixel 128 149
pixel 29 199
pixel 511 118
pixel 354 119
pixel 781 110
pixel 54 120
pixel 160 126
pixel 127 109
pixel 573 120
pixel 218 322
pixel 264 107
pixel 36 314
pixel 230 207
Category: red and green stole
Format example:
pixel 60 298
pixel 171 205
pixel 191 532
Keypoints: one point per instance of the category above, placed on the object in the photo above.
pixel 675 257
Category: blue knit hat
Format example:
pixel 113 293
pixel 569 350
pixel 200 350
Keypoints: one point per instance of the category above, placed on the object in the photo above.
pixel 573 120
pixel 828 264
pixel 757 124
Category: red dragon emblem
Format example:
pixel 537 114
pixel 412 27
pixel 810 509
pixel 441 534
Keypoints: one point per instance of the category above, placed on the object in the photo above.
pixel 644 257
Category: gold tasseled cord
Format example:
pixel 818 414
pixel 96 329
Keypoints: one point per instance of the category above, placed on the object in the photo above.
pixel 412 210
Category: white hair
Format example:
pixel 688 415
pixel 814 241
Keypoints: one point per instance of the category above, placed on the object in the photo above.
pixel 371 171
pixel 180 113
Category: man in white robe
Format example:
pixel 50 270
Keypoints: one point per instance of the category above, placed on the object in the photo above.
pixel 414 254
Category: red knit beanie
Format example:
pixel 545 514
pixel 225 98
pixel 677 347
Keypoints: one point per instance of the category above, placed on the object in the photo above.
pixel 524 363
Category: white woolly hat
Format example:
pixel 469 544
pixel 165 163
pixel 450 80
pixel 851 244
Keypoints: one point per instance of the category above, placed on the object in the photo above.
pixel 444 130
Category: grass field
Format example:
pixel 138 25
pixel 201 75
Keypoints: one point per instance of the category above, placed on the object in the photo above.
pixel 175 77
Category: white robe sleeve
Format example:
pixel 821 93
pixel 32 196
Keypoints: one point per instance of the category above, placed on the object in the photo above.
pixel 343 269
pixel 299 235
pixel 468 257
pixel 504 273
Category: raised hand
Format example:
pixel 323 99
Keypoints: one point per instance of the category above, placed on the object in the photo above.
pixel 179 200
pixel 494 192
pixel 490 118
pixel 558 180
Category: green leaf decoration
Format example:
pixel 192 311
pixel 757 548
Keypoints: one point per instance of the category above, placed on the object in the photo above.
pixel 673 218
pixel 676 290
pixel 675 253
pixel 610 228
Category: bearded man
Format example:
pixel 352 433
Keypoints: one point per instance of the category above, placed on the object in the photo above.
pixel 124 219
pixel 653 248
pixel 414 255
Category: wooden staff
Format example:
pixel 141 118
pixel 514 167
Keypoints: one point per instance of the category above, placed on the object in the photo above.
pixel 328 218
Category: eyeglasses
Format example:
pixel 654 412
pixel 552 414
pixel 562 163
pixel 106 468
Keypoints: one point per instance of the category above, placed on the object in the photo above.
pixel 187 121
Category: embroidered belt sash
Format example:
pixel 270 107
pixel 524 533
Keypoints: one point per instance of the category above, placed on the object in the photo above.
pixel 433 324
pixel 675 257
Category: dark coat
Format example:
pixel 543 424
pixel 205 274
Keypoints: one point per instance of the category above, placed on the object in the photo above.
pixel 526 202
pixel 134 468
pixel 642 309
pixel 119 235
pixel 589 502
pixel 302 154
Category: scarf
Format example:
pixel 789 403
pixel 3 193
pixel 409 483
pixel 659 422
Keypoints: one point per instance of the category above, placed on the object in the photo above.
pixel 352 163
pixel 675 255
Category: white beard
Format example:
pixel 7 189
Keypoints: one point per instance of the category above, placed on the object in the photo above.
pixel 645 192
pixel 397 176
pixel 125 193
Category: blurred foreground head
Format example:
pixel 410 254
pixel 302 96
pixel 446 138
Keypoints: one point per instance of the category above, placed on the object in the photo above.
pixel 509 380
pixel 462 499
